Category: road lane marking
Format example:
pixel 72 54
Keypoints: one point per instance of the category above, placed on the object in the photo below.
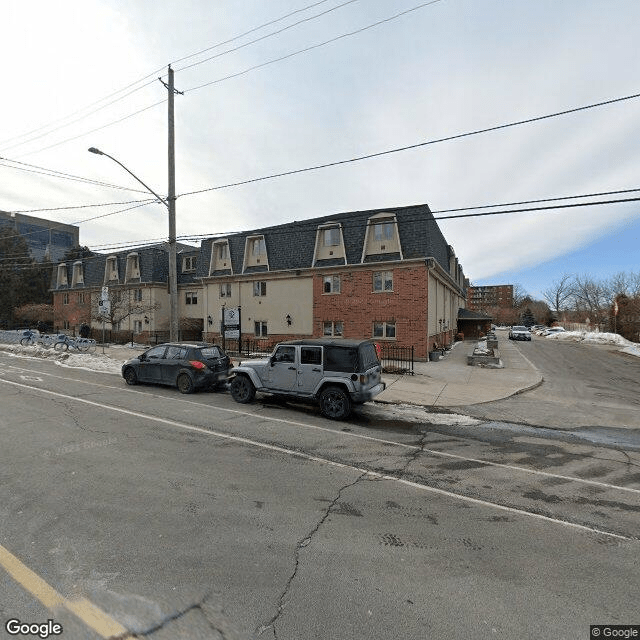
pixel 306 456
pixel 435 452
pixel 91 615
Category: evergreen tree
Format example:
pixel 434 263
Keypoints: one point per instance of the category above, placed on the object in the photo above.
pixel 528 319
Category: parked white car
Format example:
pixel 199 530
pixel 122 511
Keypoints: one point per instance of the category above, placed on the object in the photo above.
pixel 551 330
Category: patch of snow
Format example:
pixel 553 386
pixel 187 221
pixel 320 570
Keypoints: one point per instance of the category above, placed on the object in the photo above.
pixel 411 413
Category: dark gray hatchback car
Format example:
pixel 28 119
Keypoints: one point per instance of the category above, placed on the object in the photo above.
pixel 186 366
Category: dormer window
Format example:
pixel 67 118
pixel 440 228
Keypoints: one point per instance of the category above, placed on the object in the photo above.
pixel 111 269
pixel 133 267
pixel 255 252
pixel 258 247
pixel 62 275
pixel 329 244
pixel 382 236
pixel 189 263
pixel 78 277
pixel 220 258
pixel 332 237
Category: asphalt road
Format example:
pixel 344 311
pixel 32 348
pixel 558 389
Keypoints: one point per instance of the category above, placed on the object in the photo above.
pixel 195 517
pixel 590 386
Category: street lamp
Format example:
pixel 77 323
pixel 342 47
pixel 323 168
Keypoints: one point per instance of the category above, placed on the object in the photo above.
pixel 173 271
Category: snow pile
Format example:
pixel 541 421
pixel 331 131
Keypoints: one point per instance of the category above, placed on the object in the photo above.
pixel 418 415
pixel 590 337
pixel 88 361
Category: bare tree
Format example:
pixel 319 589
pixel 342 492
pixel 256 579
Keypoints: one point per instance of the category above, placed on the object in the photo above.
pixel 592 296
pixel 519 295
pixel 124 303
pixel 561 293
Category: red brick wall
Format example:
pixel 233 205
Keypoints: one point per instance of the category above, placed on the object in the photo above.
pixel 358 307
pixel 75 312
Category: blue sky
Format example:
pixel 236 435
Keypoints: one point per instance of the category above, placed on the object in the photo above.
pixel 444 68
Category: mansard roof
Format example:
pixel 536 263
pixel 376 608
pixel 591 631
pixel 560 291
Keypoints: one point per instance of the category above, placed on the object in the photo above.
pixel 291 245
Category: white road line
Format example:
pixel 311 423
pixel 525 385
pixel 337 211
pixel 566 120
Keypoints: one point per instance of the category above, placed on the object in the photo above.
pixel 306 456
pixel 305 425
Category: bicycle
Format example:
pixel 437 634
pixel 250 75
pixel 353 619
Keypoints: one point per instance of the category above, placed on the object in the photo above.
pixel 82 345
pixel 34 338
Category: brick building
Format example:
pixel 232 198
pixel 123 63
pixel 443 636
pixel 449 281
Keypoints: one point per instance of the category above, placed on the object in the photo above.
pixel 385 274
pixel 136 280
pixel 488 297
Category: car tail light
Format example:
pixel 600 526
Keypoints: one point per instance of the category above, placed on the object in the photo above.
pixel 196 364
pixel 364 379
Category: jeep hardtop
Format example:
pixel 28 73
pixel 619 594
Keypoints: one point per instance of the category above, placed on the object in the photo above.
pixel 334 373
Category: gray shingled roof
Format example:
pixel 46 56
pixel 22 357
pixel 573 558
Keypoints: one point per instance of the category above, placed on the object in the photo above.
pixel 291 245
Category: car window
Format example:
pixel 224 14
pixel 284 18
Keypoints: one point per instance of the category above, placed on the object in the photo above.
pixel 341 359
pixel 208 353
pixel 176 353
pixel 155 353
pixel 285 354
pixel 368 356
pixel 311 355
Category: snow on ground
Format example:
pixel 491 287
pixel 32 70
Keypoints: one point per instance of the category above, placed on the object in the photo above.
pixel 593 337
pixel 419 415
pixel 88 361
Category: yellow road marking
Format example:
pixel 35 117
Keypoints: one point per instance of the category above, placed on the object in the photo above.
pixel 86 611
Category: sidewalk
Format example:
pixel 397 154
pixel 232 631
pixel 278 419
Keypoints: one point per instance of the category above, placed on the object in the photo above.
pixel 451 382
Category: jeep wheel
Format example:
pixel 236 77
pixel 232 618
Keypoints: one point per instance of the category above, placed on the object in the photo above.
pixel 242 389
pixel 335 404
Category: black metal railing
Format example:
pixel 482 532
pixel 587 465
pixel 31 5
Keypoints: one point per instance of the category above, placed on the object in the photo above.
pixel 396 359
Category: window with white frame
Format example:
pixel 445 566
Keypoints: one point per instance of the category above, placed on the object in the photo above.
pixel 81 298
pixel 258 247
pixel 65 298
pixel 331 237
pixel 137 326
pixel 225 290
pixel 260 328
pixel 62 275
pixel 383 230
pixel 259 288
pixel 332 328
pixel 331 284
pixel 189 263
pixel 222 249
pixel 111 269
pixel 384 329
pixel 383 281
pixel 191 297
pixel 77 277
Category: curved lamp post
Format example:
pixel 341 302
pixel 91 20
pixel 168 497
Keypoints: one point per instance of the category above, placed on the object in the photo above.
pixel 173 272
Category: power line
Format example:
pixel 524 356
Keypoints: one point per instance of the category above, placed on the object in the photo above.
pixel 53 173
pixel 312 47
pixel 134 90
pixel 268 35
pixel 415 146
pixel 313 224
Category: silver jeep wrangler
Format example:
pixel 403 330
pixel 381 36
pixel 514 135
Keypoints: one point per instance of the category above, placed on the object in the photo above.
pixel 334 373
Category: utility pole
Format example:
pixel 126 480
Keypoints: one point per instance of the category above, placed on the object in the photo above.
pixel 171 201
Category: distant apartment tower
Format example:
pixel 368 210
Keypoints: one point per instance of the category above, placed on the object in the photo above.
pixel 481 298
pixel 46 239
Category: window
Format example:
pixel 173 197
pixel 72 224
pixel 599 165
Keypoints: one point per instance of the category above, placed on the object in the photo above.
pixel 285 354
pixel 137 326
pixel 81 298
pixel 384 329
pixel 176 353
pixel 311 355
pixel 65 298
pixel 259 288
pixel 191 297
pixel 112 269
pixel 258 247
pixel 155 353
pixel 225 290
pixel 189 263
pixel 333 328
pixel 332 237
pixel 383 231
pixel 383 281
pixel 260 329
pixel 331 284
pixel 222 251
pixel 77 277
pixel 137 295
pixel 62 275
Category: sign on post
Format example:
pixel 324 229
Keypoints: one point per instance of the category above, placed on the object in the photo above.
pixel 104 307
